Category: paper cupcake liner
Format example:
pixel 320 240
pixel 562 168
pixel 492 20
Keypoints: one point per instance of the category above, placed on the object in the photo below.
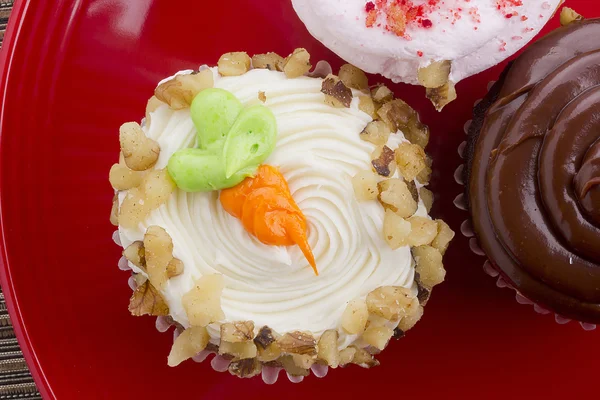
pixel 466 229
pixel 270 375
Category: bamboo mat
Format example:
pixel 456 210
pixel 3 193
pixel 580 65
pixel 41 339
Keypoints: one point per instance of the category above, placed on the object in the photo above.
pixel 15 379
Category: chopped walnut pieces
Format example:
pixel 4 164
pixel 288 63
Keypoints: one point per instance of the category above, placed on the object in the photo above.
pixel 389 302
pixel 416 132
pixel 236 332
pixel 355 316
pixel 382 94
pixel 397 114
pixel 435 74
pixel 363 358
pixel 410 159
pixel 442 96
pixel 179 92
pixel 238 351
pixel 202 304
pixel 270 61
pixel 174 268
pixel 158 251
pixel 409 321
pixel 414 191
pixel 336 93
pixel 262 97
pixel 443 238
pixel 423 231
pixel 396 230
pixel 136 254
pixel 353 77
pixel 365 186
pixel 568 15
pixel 426 196
pixel 155 189
pixel 328 348
pixel 298 343
pixel 377 336
pixel 376 132
pixel 234 64
pixel 265 337
pixel 423 293
pixel 366 105
pixel 384 161
pixel 297 64
pixel 266 343
pixel 140 152
pixel 395 195
pixel 139 279
pixel 123 178
pixel 146 300
pixel 114 211
pixel 347 355
pixel 245 368
pixel 429 266
pixel 189 343
pixel 288 363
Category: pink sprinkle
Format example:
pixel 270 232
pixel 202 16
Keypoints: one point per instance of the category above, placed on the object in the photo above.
pixel 420 53
pixel 517 37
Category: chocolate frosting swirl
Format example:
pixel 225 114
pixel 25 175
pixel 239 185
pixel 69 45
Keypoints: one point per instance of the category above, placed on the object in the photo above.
pixel 534 184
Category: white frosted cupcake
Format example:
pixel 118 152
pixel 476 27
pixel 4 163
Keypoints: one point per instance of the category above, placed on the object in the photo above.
pixel 277 219
pixel 433 43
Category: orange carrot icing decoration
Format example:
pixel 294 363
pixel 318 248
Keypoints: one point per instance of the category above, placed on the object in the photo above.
pixel 267 210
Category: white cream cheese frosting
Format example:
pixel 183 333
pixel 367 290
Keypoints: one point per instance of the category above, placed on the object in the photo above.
pixel 473 34
pixel 318 151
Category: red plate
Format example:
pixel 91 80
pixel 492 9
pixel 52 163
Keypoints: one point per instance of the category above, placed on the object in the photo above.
pixel 72 72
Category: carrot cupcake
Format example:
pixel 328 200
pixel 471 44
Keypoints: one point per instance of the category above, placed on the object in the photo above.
pixel 277 218
pixel 533 176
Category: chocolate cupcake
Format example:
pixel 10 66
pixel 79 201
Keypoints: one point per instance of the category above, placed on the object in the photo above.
pixel 532 173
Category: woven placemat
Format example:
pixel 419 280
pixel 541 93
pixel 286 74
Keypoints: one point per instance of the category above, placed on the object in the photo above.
pixel 15 379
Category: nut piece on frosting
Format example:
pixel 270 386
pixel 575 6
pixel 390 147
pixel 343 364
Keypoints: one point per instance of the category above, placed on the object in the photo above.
pixel 328 348
pixel 114 211
pixel 336 93
pixel 239 351
pixel 347 355
pixel 409 321
pixel 270 61
pixel 158 250
pixel 302 346
pixel 396 230
pixel 376 132
pixel 179 91
pixel 389 302
pixel 146 300
pixel 435 74
pixel 443 238
pixel 426 196
pixel 429 266
pixel 155 189
pixel 423 231
pixel 189 343
pixel 136 254
pixel 378 336
pixel 234 64
pixel 140 152
pixel 266 343
pixel 237 332
pixel 353 77
pixel 365 186
pixel 364 358
pixel 123 178
pixel 410 159
pixel 174 268
pixel 202 304
pixel 395 195
pixel 297 64
pixel 355 316
pixel 368 106
pixel 382 94
pixel 289 364
pixel 383 161
pixel 397 114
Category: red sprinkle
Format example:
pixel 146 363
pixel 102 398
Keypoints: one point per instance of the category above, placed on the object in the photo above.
pixel 427 23
pixel 370 6
pixel 420 53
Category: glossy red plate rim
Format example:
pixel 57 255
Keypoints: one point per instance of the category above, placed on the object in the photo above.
pixel 13 32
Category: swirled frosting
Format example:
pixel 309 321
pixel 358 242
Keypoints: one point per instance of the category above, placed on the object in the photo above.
pixel 318 151
pixel 535 175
